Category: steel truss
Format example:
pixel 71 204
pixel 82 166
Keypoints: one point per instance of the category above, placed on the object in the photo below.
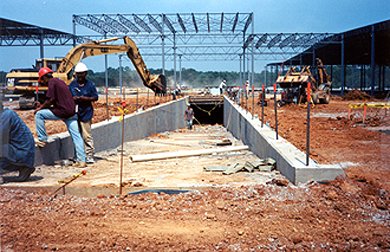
pixel 198 36
pixel 201 37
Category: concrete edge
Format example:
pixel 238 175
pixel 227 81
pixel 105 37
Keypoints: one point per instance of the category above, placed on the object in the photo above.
pixel 291 162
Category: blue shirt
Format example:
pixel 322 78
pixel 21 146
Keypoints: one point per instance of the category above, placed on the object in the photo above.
pixel 17 147
pixel 85 108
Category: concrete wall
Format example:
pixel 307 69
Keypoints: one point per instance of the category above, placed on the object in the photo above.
pixel 290 161
pixel 108 134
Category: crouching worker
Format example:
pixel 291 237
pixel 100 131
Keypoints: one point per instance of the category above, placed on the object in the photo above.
pixel 17 149
pixel 59 105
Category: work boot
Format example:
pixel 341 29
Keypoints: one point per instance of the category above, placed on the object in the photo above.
pixel 25 173
pixel 79 164
pixel 89 160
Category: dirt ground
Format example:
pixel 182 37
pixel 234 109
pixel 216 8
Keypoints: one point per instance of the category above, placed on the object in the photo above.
pixel 349 213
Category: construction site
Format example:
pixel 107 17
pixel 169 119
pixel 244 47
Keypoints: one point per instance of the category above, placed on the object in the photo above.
pixel 296 161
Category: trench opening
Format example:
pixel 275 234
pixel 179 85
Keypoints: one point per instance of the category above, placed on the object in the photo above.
pixel 208 113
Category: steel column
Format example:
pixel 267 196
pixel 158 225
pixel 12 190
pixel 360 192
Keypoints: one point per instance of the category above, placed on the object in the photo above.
pixel 253 52
pixel 174 60
pixel 240 69
pixel 180 83
pixel 342 65
pixel 41 45
pixel 372 60
pixel 120 73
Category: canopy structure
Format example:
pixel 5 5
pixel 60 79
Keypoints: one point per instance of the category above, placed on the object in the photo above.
pixel 15 33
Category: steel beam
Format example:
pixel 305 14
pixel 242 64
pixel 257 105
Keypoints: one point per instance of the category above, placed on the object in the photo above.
pixel 194 22
pixel 128 23
pixel 141 23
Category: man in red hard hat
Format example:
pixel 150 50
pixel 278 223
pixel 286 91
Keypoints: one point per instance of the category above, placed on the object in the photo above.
pixel 59 105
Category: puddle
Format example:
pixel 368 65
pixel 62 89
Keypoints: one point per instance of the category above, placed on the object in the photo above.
pixel 159 191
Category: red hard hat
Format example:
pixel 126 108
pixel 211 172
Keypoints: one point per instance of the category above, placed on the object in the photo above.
pixel 42 72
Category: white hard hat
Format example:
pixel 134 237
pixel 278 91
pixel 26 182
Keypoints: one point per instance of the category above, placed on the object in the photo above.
pixel 80 67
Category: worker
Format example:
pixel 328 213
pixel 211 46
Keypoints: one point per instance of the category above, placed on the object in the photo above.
pixel 17 150
pixel 247 89
pixel 59 105
pixel 189 117
pixel 222 87
pixel 84 93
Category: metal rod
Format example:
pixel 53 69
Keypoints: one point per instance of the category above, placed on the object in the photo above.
pixel 262 104
pixel 120 73
pixel 276 113
pixel 147 100
pixel 308 124
pixel 136 105
pixel 123 140
pixel 253 101
pixel 106 80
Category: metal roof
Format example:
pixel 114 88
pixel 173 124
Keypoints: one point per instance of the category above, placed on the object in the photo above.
pixel 14 33
pixel 357 47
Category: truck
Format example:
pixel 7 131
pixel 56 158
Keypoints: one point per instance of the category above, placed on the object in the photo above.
pixel 294 84
pixel 24 82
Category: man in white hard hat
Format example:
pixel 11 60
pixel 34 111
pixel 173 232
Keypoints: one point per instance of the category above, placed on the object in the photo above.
pixel 84 94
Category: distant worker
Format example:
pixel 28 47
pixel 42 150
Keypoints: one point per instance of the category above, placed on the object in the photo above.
pixel 222 87
pixel 189 117
pixel 247 88
pixel 84 93
pixel 17 149
pixel 59 105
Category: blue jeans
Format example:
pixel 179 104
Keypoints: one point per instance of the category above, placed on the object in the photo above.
pixel 71 124
pixel 189 124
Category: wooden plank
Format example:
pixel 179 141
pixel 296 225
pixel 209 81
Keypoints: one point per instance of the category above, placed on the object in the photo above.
pixel 186 153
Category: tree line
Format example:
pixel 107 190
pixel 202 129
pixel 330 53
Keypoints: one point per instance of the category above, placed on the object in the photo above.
pixel 198 79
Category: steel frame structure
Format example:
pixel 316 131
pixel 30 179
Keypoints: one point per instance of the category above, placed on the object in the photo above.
pixel 199 37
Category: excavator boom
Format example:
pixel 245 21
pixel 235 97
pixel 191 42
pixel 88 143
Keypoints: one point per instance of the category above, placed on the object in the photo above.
pixel 155 82
pixel 25 81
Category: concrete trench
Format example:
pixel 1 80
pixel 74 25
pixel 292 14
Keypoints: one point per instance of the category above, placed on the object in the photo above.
pixel 169 116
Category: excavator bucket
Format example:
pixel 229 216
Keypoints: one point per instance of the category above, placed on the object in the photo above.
pixel 158 84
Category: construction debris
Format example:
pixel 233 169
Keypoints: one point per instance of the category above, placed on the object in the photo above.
pixel 356 95
pixel 187 153
pixel 262 165
pixel 224 142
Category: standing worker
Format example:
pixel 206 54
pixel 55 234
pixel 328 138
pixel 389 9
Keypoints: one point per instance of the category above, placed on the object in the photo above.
pixel 17 150
pixel 84 93
pixel 189 116
pixel 59 105
pixel 247 89
pixel 222 87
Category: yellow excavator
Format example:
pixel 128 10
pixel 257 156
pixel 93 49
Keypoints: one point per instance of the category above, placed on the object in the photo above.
pixel 25 81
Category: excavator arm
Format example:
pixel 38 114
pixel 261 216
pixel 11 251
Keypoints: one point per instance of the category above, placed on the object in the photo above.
pixel 155 82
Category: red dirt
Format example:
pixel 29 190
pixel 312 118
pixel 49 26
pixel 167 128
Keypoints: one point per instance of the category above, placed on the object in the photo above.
pixel 350 213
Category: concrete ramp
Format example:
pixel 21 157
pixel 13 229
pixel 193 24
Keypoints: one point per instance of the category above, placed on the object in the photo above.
pixel 290 161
